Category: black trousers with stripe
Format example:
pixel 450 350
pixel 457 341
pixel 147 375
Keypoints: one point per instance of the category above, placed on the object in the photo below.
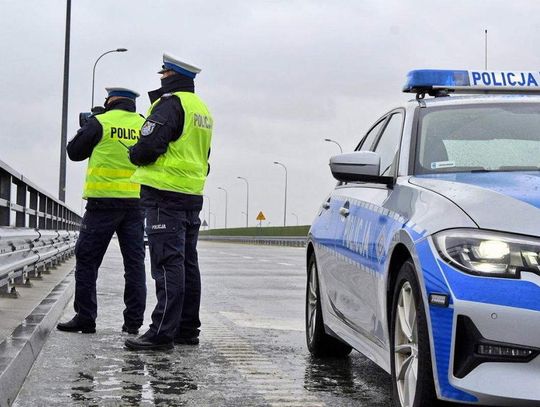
pixel 172 237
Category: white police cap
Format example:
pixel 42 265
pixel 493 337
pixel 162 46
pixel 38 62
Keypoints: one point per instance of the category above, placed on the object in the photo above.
pixel 173 63
pixel 122 92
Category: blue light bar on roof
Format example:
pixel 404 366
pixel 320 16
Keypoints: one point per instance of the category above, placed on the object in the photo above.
pixel 430 80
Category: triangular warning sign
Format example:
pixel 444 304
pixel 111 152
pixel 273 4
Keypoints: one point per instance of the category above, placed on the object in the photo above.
pixel 204 224
pixel 261 216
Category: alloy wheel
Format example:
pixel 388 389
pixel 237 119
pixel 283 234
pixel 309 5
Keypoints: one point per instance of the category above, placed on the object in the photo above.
pixel 312 301
pixel 406 346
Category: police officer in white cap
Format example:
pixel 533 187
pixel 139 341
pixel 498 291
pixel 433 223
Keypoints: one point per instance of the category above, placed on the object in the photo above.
pixel 113 206
pixel 172 156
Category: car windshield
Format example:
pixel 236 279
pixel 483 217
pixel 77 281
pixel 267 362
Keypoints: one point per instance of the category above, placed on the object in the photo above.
pixel 468 138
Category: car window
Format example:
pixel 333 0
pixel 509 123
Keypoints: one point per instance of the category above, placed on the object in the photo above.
pixel 367 142
pixel 388 143
pixel 492 137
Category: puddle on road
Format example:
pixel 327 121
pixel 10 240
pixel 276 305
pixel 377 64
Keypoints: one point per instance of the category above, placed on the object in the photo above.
pixel 135 379
pixel 353 377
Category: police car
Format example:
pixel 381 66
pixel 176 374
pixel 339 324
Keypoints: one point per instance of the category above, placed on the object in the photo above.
pixel 425 256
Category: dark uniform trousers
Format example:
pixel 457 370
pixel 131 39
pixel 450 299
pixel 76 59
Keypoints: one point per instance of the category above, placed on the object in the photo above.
pixel 172 237
pixel 97 229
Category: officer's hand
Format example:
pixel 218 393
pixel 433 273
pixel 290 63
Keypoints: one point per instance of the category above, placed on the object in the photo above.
pixel 83 118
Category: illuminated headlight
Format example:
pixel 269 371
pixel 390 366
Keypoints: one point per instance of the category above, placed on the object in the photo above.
pixel 488 253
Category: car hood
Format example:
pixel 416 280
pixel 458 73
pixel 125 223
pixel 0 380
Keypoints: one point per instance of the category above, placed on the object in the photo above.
pixel 507 201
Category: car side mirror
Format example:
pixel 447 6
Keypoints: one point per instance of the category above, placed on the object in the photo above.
pixel 359 166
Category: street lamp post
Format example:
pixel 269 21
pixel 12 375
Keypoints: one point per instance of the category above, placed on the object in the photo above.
pixel 335 142
pixel 226 199
pixel 247 199
pixel 94 70
pixel 296 216
pixel 65 94
pixel 285 205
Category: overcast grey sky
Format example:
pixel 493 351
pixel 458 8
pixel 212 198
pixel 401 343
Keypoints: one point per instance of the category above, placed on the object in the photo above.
pixel 278 76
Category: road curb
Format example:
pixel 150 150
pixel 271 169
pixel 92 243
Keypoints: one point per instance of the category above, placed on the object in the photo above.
pixel 19 351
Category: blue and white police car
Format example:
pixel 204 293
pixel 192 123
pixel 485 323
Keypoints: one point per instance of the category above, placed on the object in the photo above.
pixel 426 255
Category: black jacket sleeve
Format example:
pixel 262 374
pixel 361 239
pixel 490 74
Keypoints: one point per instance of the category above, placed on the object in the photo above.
pixel 164 125
pixel 88 136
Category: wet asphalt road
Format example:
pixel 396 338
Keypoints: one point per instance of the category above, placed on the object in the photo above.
pixel 252 350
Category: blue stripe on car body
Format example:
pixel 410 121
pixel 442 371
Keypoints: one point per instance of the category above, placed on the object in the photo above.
pixel 442 322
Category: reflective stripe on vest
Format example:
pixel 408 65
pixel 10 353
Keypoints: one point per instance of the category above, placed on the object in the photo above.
pixel 109 169
pixel 184 166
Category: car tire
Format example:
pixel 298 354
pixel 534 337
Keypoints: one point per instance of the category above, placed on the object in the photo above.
pixel 319 343
pixel 410 357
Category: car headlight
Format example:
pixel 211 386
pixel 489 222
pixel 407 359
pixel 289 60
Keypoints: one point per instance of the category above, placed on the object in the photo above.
pixel 488 253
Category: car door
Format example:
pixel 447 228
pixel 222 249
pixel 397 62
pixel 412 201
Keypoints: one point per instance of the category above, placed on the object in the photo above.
pixel 333 267
pixel 364 228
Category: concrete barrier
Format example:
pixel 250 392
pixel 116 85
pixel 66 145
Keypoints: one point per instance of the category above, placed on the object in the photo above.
pixel 294 241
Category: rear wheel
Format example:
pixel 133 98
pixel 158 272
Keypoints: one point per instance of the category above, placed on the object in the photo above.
pixel 318 341
pixel 412 375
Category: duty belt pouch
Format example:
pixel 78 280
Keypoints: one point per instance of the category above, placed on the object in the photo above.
pixel 164 237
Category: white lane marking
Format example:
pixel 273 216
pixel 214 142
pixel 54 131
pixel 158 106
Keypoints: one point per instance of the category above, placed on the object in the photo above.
pixel 264 260
pixel 286 264
pixel 256 321
pixel 247 257
pixel 262 373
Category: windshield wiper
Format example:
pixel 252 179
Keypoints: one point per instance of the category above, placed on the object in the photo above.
pixel 481 170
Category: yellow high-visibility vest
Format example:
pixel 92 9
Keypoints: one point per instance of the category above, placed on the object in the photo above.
pixel 109 169
pixel 184 166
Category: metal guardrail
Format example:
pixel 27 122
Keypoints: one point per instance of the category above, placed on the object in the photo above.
pixel 26 254
pixel 37 231
pixel 295 241
pixel 23 204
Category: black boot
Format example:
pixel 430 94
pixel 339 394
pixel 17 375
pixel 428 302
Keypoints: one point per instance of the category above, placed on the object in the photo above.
pixel 77 326
pixel 148 341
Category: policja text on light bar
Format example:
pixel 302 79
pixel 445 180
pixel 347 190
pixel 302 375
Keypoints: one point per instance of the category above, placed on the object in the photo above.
pixel 461 81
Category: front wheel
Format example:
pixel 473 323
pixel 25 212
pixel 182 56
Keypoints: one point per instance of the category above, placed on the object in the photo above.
pixel 318 341
pixel 412 375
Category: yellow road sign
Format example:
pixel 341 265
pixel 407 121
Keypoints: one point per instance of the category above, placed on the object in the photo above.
pixel 261 216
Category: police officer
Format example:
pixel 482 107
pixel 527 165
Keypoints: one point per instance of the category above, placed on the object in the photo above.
pixel 113 206
pixel 172 156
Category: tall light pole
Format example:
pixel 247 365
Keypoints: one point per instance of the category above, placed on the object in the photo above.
pixel 335 142
pixel 63 131
pixel 296 216
pixel 285 205
pixel 94 70
pixel 226 198
pixel 247 199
